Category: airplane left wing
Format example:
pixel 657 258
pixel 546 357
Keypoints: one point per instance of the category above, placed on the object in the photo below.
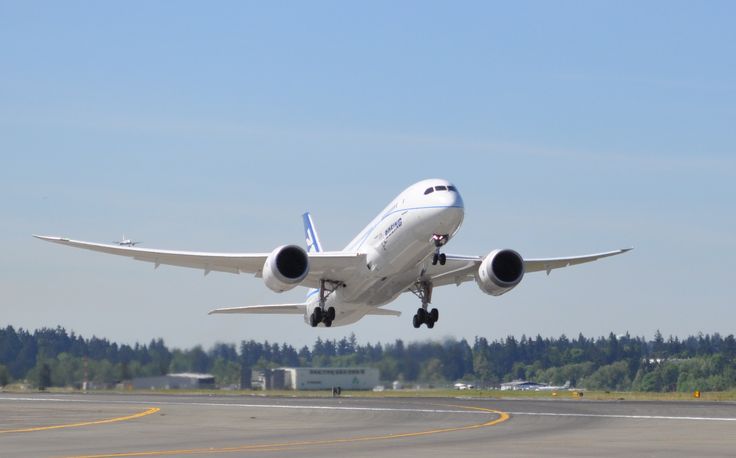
pixel 335 266
pixel 459 269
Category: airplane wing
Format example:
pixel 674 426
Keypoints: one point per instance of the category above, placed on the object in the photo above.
pixel 459 269
pixel 547 264
pixel 275 309
pixel 335 266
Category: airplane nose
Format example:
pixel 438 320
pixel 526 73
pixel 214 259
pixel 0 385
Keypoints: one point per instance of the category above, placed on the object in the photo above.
pixel 452 199
pixel 451 213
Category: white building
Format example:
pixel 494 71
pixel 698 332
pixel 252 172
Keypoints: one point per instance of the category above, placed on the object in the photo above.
pixel 181 381
pixel 325 378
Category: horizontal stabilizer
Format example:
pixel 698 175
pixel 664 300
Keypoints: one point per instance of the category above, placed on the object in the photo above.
pixel 377 311
pixel 274 309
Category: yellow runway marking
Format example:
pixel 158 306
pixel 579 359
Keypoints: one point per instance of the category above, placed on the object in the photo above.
pixel 502 416
pixel 84 423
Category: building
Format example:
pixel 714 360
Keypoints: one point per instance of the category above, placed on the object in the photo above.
pixel 321 378
pixel 182 381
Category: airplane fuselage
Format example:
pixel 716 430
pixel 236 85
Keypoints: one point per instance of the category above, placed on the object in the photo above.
pixel 399 245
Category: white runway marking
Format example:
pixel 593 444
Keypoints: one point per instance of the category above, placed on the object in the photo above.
pixel 634 417
pixel 371 409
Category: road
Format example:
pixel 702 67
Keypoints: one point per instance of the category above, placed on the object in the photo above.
pixel 60 425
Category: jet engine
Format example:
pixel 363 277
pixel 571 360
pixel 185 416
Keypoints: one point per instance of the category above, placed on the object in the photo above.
pixel 500 272
pixel 285 268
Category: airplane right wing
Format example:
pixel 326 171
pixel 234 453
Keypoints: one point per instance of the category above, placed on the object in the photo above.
pixel 335 266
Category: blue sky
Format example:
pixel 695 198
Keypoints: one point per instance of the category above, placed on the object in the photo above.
pixel 569 127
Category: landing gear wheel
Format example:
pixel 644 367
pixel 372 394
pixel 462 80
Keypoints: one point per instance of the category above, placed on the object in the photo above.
pixel 442 258
pixel 318 315
pixel 430 323
pixel 327 323
pixel 313 320
pixel 422 314
pixel 435 258
pixel 330 314
pixel 434 314
pixel 416 322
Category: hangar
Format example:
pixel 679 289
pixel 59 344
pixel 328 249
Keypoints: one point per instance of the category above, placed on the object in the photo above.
pixel 321 378
pixel 181 381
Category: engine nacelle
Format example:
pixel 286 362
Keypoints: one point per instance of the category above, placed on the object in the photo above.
pixel 285 268
pixel 500 272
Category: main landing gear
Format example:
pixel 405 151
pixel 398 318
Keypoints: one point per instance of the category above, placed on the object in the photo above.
pixel 439 241
pixel 423 290
pixel 321 314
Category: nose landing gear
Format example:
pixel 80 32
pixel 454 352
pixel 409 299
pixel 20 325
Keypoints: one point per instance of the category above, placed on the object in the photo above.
pixel 423 290
pixel 439 241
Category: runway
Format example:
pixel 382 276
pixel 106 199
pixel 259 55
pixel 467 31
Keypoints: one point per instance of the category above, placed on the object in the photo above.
pixel 125 425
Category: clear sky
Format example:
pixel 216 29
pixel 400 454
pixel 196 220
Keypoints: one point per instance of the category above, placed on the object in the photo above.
pixel 569 128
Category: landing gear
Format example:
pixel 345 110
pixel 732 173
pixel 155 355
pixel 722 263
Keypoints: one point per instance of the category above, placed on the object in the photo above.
pixel 321 314
pixel 439 257
pixel 423 290
pixel 424 317
pixel 329 316
pixel 439 241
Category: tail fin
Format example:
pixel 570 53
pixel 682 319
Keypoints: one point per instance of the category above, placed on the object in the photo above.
pixel 313 245
pixel 310 232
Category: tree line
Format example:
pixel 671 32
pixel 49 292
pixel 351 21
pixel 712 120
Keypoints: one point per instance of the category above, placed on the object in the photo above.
pixel 55 357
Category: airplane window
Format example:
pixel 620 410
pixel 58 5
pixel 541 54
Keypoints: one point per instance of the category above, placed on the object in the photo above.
pixel 440 188
pixel 428 191
pixel 452 188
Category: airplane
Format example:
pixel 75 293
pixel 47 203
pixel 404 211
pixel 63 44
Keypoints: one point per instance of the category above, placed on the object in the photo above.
pixel 553 388
pixel 126 242
pixel 399 251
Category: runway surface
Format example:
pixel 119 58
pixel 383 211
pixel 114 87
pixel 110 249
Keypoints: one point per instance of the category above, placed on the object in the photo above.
pixel 58 425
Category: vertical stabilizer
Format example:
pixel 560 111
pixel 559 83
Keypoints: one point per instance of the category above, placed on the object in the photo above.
pixel 313 246
pixel 310 233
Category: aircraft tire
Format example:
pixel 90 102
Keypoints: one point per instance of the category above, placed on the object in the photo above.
pixel 430 323
pixel 313 320
pixel 331 313
pixel 328 323
pixel 443 259
pixel 318 315
pixel 434 314
pixel 422 314
pixel 416 322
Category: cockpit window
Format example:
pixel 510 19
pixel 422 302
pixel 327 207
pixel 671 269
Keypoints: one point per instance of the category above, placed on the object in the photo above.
pixel 440 188
pixel 429 190
pixel 452 188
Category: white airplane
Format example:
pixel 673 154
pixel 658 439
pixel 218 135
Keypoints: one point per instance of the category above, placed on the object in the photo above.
pixel 399 251
pixel 553 388
pixel 126 242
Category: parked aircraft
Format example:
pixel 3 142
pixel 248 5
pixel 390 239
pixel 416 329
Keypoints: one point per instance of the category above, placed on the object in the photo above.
pixel 553 388
pixel 401 250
